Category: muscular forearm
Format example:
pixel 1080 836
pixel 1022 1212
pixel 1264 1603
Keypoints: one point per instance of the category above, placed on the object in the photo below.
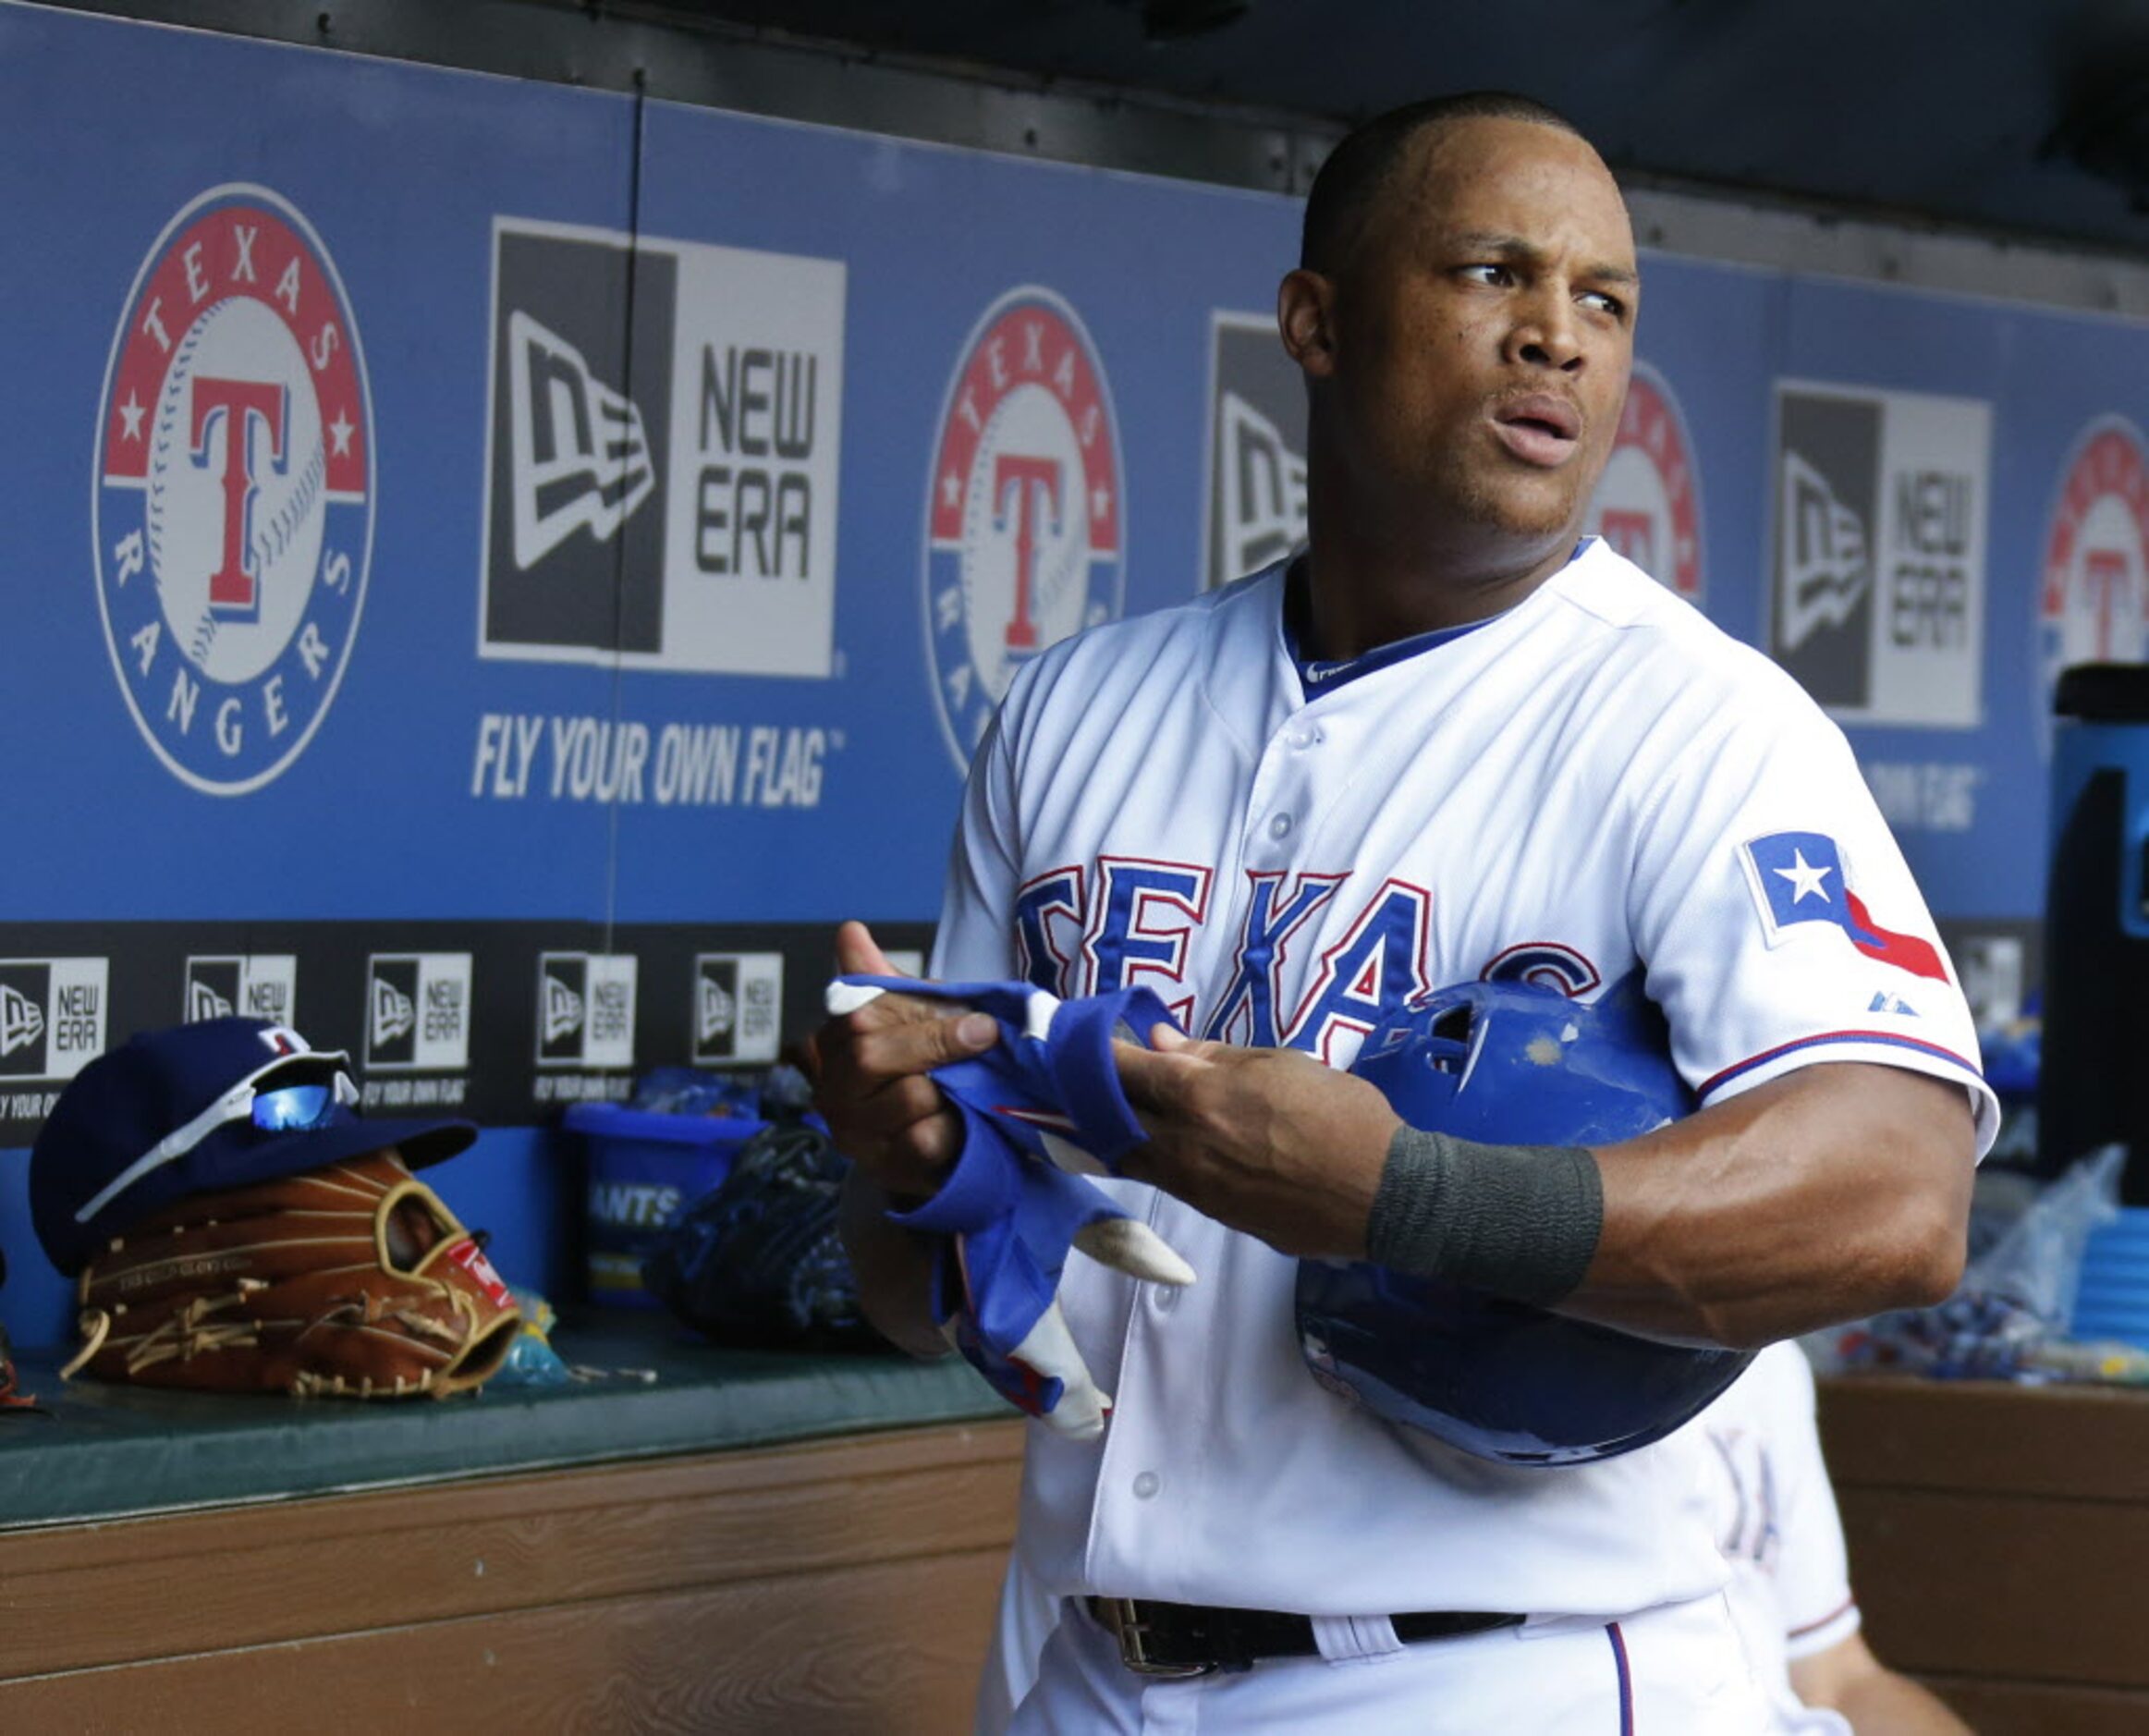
pixel 1838 1191
pixel 1885 1703
pixel 893 1267
pixel 1846 1678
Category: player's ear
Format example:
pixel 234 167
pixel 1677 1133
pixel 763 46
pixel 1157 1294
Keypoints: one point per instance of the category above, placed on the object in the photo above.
pixel 1305 316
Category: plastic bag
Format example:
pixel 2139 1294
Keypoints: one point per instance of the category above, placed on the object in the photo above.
pixel 2037 1263
pixel 780 1092
pixel 693 1090
pixel 2012 1305
pixel 532 1362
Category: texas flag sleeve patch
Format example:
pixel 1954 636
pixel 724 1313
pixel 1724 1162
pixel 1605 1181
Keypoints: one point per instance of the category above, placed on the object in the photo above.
pixel 1797 877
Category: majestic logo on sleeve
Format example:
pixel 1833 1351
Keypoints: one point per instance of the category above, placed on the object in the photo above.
pixel 234 500
pixel 1024 526
pixel 1797 877
pixel 1649 505
pixel 2093 600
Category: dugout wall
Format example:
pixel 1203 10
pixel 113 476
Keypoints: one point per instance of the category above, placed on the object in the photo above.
pixel 603 597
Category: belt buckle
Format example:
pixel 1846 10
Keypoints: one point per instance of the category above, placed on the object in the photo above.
pixel 1119 1615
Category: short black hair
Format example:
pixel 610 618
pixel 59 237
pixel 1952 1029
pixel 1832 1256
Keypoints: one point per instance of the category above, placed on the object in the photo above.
pixel 1351 180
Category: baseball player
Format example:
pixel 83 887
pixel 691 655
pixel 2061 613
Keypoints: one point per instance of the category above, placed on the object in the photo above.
pixel 1776 1524
pixel 1773 1515
pixel 1453 740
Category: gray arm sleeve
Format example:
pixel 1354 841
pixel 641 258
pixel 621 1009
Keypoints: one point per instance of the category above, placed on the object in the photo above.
pixel 1518 1221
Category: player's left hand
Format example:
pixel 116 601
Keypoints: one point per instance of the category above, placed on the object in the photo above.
pixel 1268 1141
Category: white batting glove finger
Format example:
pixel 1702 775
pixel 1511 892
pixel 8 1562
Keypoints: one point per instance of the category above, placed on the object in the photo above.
pixel 1049 1347
pixel 1126 1244
pixel 1070 1157
pixel 848 997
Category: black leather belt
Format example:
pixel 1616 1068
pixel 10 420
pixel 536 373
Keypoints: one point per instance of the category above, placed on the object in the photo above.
pixel 1160 1639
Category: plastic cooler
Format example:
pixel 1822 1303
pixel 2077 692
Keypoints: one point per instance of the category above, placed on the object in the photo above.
pixel 2112 1300
pixel 645 1170
pixel 2091 1088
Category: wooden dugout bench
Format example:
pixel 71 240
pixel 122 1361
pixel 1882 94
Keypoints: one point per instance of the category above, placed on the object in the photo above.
pixel 1999 1545
pixel 734 1542
pixel 742 1542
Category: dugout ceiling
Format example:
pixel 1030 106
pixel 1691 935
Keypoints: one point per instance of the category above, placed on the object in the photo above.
pixel 2014 117
pixel 1984 114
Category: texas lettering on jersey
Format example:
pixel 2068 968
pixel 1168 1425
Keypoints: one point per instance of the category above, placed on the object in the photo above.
pixel 1137 917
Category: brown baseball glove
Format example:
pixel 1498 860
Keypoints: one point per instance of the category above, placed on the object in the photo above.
pixel 352 1280
pixel 10 1400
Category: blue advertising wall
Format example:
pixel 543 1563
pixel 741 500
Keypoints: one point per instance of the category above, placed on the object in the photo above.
pixel 697 479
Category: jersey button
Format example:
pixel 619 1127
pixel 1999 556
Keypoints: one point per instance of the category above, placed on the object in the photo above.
pixel 1167 1297
pixel 1147 1485
pixel 1280 826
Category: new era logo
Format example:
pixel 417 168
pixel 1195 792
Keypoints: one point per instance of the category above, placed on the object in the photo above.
pixel 207 1000
pixel 561 1011
pixel 1878 581
pixel 418 1012
pixel 395 1014
pixel 1264 488
pixel 52 1016
pixel 719 1006
pixel 664 450
pixel 21 1019
pixel 1827 567
pixel 585 1009
pixel 255 986
pixel 737 1005
pixel 579 455
pixel 1257 466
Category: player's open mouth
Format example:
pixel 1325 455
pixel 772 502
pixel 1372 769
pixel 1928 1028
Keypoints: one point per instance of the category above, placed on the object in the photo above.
pixel 1540 429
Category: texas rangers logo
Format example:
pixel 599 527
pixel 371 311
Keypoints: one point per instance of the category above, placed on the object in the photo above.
pixel 1799 877
pixel 1024 535
pixel 1649 505
pixel 2093 598
pixel 233 508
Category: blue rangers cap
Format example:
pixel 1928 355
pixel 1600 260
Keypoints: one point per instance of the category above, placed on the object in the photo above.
pixel 196 1108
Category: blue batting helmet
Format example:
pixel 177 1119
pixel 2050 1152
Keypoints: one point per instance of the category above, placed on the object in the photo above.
pixel 1514 1064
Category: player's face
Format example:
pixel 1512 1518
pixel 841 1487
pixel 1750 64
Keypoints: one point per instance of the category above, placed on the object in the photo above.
pixel 1484 333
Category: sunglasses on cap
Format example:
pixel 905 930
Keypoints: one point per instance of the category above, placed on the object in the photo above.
pixel 299 1107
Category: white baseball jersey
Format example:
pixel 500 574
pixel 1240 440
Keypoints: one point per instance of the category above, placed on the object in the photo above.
pixel 1596 778
pixel 1771 1508
pixel 1776 1524
pixel 1677 1670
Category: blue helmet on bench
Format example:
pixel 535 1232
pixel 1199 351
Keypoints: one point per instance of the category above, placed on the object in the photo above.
pixel 1511 1063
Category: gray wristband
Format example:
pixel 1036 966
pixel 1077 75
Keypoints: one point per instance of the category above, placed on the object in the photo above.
pixel 1518 1221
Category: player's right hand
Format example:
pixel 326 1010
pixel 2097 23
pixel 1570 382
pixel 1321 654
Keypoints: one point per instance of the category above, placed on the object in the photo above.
pixel 870 1075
